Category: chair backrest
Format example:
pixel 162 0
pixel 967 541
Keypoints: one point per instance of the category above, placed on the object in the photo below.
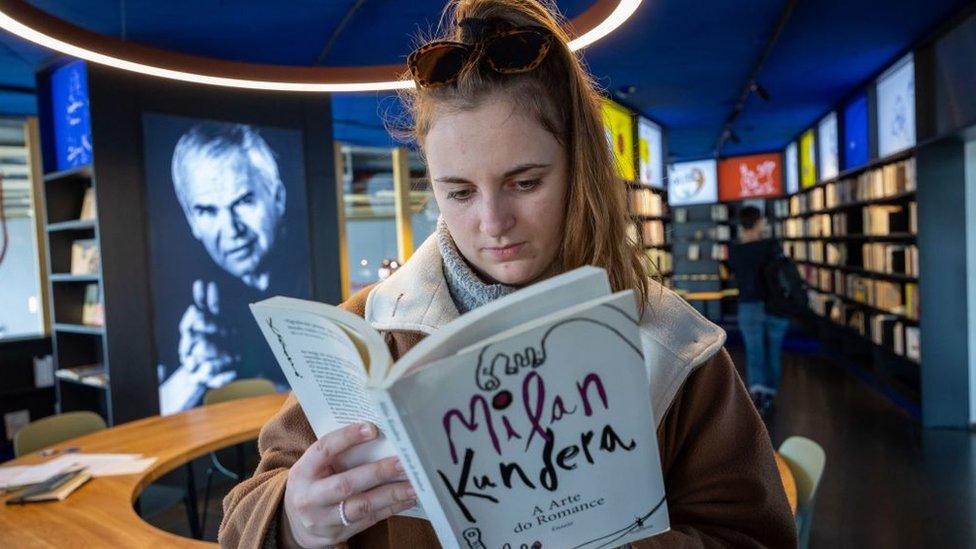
pixel 54 429
pixel 242 388
pixel 806 460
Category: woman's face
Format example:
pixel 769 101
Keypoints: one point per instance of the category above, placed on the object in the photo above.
pixel 500 180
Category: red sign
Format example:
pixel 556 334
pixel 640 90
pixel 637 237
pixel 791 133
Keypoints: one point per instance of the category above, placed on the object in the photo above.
pixel 753 176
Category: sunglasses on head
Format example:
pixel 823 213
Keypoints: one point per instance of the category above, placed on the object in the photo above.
pixel 511 51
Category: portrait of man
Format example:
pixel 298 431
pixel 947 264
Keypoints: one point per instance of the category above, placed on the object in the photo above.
pixel 229 227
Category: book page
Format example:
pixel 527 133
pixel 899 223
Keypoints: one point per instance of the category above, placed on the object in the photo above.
pixel 527 304
pixel 544 434
pixel 325 368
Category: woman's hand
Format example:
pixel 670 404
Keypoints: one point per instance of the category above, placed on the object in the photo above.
pixel 371 492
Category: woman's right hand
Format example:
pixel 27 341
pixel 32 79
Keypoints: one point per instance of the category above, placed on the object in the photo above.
pixel 372 492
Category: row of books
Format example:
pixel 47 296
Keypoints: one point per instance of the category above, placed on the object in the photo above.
pixel 718 252
pixel 877 257
pixel 888 331
pixel 718 233
pixel 645 202
pixel 890 180
pixel 822 225
pixel 816 251
pixel 718 212
pixel 883 220
pixel 890 296
pixel 661 259
pixel 890 258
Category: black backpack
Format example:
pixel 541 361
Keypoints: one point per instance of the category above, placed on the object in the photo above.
pixel 785 291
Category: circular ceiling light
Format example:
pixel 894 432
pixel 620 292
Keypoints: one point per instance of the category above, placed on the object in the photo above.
pixel 30 23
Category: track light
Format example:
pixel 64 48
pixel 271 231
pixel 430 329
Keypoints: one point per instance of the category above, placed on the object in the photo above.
pixel 760 91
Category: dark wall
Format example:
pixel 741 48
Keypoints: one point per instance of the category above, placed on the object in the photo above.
pixel 942 281
pixel 118 101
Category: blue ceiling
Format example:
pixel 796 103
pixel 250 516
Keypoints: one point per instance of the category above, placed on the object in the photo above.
pixel 688 61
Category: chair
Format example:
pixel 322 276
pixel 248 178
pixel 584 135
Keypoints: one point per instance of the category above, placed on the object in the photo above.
pixel 243 388
pixel 806 460
pixel 54 429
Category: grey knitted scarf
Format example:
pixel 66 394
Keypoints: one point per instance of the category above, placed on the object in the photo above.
pixel 467 289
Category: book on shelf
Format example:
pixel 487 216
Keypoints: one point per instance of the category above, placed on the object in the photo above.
pixel 661 259
pixel 88 211
pixel 913 343
pixel 720 252
pixel 721 233
pixel 76 373
pixel 881 220
pixel 694 252
pixel 92 310
pixel 653 233
pixel 85 257
pixel 719 212
pixel 882 330
pixel 898 339
pixel 96 380
pixel 557 468
pixel 912 301
pixel 645 202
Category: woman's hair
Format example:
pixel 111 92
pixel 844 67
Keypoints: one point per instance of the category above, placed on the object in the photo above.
pixel 561 95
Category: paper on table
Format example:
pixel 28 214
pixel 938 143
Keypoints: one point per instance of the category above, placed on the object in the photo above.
pixel 31 474
pixel 103 465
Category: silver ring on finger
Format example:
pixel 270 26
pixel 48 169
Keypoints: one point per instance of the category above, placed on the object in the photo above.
pixel 342 514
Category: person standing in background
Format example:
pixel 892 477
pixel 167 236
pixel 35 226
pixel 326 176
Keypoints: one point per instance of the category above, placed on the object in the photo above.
pixel 763 319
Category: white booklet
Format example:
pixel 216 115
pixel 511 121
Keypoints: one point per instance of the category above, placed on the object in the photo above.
pixel 526 421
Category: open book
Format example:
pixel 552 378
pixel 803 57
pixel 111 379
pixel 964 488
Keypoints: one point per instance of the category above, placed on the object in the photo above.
pixel 525 421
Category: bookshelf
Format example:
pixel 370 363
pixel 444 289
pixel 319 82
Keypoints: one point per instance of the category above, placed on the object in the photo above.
pixel 701 237
pixel 648 208
pixel 854 239
pixel 76 289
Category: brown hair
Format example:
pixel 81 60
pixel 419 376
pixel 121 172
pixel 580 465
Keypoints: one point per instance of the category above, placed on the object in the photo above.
pixel 561 95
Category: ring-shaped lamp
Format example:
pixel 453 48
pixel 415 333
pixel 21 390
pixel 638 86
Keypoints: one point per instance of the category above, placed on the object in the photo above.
pixel 35 25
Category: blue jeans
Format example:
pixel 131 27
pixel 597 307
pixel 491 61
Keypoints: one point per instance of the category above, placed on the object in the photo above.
pixel 763 335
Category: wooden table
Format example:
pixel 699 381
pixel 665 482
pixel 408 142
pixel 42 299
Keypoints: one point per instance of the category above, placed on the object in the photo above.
pixel 789 483
pixel 101 513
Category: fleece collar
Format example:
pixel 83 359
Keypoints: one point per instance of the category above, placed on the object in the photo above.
pixel 676 338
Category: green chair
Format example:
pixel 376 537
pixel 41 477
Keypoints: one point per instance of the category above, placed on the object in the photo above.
pixel 243 388
pixel 54 429
pixel 806 460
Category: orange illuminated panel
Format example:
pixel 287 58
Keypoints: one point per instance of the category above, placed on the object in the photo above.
pixel 753 176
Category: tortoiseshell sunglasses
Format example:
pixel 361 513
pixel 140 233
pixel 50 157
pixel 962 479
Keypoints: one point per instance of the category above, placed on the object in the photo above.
pixel 512 51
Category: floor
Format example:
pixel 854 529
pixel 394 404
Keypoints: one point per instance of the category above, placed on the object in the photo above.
pixel 888 483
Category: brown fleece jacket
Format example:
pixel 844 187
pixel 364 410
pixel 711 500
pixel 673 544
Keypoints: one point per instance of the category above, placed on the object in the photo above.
pixel 723 488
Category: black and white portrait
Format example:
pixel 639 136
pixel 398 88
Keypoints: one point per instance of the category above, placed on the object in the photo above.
pixel 229 227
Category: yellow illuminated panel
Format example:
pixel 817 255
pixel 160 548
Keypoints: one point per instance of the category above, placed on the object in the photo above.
pixel 619 125
pixel 808 160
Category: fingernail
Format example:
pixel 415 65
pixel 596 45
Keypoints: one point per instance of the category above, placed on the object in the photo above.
pixel 367 430
pixel 411 492
pixel 399 466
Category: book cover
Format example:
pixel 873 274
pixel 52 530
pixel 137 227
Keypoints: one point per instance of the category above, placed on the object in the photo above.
pixel 545 442
pixel 525 421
